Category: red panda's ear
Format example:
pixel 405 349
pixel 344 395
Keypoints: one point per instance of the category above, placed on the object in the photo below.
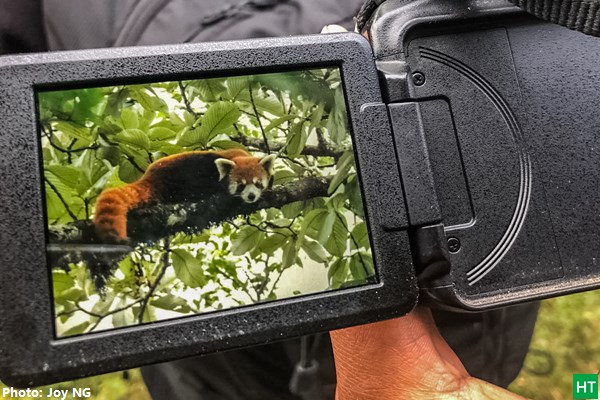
pixel 224 166
pixel 268 162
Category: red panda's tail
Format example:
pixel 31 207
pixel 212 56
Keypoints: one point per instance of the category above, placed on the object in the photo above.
pixel 110 218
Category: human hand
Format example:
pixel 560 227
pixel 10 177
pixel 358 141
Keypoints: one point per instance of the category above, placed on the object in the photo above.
pixel 404 358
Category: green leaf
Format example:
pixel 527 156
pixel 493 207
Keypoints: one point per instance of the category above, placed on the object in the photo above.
pixel 207 89
pixel 63 189
pixel 272 296
pixel 315 251
pixel 317 116
pixel 367 260
pixel 236 85
pixel 175 120
pixel 129 118
pixel 226 144
pixel 189 137
pixel 327 227
pixel 301 85
pixel 292 210
pixel 357 268
pixel 337 202
pixel 344 164
pixel 61 282
pixel 338 273
pixel 67 174
pixel 361 236
pixel 92 102
pixel 120 318
pixel 75 131
pixel 272 243
pixel 269 104
pixel 219 118
pixel 296 140
pixel 149 314
pixel 189 118
pixel 352 191
pixel 278 121
pixel 188 268
pixel 54 206
pixel 77 329
pixel 172 303
pixel 134 137
pixel 128 172
pixel 283 176
pixel 126 267
pixel 112 154
pixel 170 149
pixel 289 254
pixel 338 240
pixel 146 118
pixel 110 180
pixel 104 305
pixel 73 294
pixel 337 123
pixel 311 223
pixel 245 240
pixel 148 101
pixel 160 133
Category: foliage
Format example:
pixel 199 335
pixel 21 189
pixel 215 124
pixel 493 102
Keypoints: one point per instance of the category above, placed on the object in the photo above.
pixel 564 343
pixel 102 137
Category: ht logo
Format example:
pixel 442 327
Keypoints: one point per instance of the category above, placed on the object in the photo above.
pixel 585 386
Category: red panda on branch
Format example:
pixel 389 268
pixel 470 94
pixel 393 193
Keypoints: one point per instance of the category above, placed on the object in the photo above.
pixel 186 177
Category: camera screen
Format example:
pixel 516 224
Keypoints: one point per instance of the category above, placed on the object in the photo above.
pixel 183 197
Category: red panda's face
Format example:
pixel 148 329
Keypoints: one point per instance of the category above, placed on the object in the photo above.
pixel 247 177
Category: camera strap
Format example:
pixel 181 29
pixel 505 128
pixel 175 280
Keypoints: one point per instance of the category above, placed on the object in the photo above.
pixel 305 381
pixel 579 15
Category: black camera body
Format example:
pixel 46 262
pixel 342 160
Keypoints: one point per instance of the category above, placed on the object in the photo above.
pixel 471 129
pixel 497 138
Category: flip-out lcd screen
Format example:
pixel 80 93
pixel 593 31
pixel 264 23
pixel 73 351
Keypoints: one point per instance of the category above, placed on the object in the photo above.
pixel 181 197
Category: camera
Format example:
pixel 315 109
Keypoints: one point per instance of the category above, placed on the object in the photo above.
pixel 169 201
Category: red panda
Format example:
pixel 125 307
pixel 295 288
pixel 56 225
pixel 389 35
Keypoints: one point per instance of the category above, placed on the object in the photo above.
pixel 185 177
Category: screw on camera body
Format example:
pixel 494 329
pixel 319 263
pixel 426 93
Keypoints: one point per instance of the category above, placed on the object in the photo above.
pixel 418 78
pixel 453 245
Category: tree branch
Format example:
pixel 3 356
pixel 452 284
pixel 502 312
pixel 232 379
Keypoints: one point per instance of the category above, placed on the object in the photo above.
pixel 316 151
pixel 154 285
pixel 48 132
pixel 77 241
pixel 266 142
pixel 152 222
pixel 186 101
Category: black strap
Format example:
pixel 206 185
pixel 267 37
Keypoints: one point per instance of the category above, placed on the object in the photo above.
pixel 579 15
pixel 305 380
pixel 365 12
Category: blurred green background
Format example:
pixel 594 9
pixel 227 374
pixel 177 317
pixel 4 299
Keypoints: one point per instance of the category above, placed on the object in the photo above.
pixel 565 342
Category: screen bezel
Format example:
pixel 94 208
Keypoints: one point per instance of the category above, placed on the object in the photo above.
pixel 30 353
